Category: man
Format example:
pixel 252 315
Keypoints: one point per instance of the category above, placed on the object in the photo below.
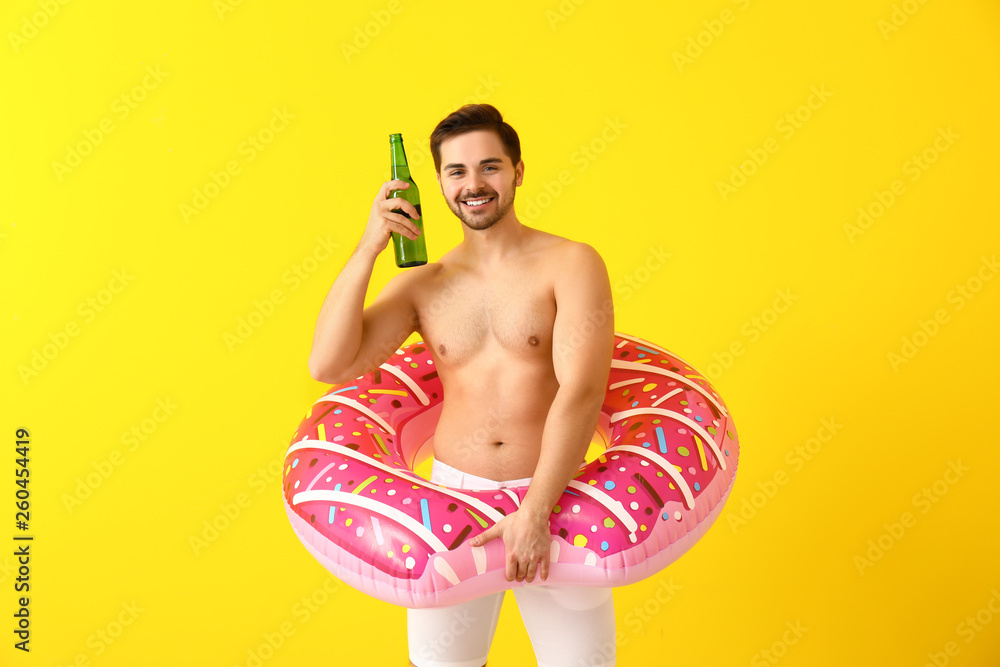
pixel 502 315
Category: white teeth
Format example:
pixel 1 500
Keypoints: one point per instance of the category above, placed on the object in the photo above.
pixel 477 202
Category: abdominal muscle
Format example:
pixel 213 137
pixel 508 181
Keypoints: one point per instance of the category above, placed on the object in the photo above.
pixel 493 416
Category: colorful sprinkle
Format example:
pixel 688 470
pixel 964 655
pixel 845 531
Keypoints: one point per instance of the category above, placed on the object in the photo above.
pixel 609 485
pixel 475 516
pixel 604 546
pixel 425 512
pixel 295 463
pixel 683 451
pixel 580 541
pixel 609 522
pixel 365 483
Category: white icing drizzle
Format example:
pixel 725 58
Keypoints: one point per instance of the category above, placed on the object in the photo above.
pixel 364 458
pixel 366 411
pixel 405 379
pixel 376 507
pixel 690 423
pixel 608 502
pixel 668 468
pixel 649 368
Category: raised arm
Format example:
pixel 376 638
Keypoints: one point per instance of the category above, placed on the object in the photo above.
pixel 351 340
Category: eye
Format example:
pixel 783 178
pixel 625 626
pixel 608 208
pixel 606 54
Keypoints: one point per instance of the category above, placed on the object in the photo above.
pixel 488 167
pixel 455 173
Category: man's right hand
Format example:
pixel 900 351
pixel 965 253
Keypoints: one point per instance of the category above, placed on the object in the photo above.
pixel 382 221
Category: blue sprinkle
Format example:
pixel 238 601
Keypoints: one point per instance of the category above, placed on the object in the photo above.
pixel 635 403
pixel 333 513
pixel 660 440
pixel 337 411
pixel 604 546
pixel 640 347
pixel 641 356
pixel 697 486
pixel 609 485
pixel 727 452
pixel 425 513
pixel 666 516
pixel 572 493
pixel 295 463
pixel 337 488
pixel 344 389
pixel 698 418
pixel 645 444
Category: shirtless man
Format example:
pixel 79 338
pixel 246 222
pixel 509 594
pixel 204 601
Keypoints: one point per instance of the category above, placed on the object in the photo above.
pixel 521 330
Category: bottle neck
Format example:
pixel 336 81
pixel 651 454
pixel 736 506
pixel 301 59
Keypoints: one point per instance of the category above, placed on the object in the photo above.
pixel 400 169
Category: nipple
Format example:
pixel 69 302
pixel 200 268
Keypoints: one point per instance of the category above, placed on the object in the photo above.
pixel 533 341
pixel 441 349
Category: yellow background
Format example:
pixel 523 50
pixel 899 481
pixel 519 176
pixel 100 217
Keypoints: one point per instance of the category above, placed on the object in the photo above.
pixel 893 75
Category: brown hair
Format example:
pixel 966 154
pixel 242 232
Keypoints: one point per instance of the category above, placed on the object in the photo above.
pixel 473 117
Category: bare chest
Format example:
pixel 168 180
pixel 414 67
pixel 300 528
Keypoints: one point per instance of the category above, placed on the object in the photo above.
pixel 511 313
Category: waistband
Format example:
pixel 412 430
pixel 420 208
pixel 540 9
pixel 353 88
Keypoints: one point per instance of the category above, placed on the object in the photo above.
pixel 442 473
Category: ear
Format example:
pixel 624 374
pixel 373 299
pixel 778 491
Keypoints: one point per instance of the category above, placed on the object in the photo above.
pixel 519 171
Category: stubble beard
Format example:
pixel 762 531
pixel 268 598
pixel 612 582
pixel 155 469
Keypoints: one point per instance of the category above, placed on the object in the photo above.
pixel 479 222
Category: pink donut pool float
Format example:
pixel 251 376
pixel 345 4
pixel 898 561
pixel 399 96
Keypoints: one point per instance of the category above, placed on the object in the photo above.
pixel 355 503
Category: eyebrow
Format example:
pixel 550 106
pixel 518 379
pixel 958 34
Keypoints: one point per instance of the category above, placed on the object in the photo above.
pixel 488 160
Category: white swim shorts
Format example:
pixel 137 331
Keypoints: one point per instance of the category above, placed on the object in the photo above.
pixel 569 626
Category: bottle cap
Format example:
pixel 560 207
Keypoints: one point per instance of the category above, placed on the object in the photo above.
pixel 395 137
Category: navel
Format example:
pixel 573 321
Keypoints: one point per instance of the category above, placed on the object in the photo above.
pixel 533 341
pixel 441 349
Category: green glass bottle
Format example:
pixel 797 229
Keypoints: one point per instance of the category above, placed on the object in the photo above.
pixel 408 253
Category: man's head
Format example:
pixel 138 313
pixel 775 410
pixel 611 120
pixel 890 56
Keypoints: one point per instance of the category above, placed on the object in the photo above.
pixel 477 156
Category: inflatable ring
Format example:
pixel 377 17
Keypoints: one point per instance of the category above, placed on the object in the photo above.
pixel 355 503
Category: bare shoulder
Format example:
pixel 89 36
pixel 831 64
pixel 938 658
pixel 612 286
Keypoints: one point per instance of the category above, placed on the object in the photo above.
pixel 563 253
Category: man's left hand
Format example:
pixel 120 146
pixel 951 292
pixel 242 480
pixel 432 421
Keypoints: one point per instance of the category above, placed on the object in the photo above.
pixel 527 539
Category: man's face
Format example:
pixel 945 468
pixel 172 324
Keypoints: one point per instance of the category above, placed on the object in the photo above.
pixel 474 168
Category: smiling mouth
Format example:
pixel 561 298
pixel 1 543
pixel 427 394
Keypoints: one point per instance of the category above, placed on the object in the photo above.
pixel 477 203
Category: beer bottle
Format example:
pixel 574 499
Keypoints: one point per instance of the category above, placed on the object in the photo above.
pixel 408 253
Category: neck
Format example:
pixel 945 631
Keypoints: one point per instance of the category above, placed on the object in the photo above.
pixel 487 247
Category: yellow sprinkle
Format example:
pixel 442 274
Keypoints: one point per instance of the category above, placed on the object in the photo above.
pixel 649 386
pixel 672 485
pixel 389 554
pixel 602 458
pixel 369 426
pixel 355 433
pixel 631 489
pixel 380 443
pixel 701 453
pixel 309 413
pixel 592 482
pixel 321 430
pixel 288 469
pixel 349 522
pixel 362 395
pixel 642 527
pixel 365 483
pixel 339 424
pixel 406 548
pixel 609 522
pixel 643 361
pixel 580 541
pixel 475 516
pixel 397 392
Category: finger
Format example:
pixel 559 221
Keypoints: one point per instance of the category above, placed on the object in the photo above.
pixel 484 537
pixel 396 207
pixel 544 568
pixel 389 186
pixel 511 572
pixel 401 225
pixel 532 569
